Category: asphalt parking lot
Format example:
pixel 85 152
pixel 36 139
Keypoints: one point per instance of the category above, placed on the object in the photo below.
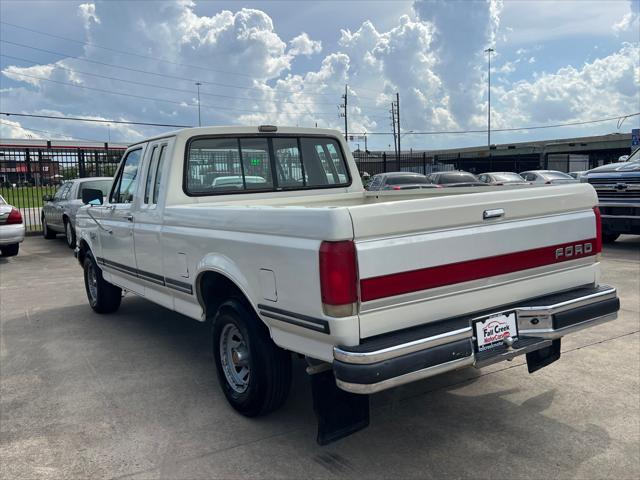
pixel 134 395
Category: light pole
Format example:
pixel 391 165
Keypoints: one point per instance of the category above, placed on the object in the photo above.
pixel 489 51
pixel 198 87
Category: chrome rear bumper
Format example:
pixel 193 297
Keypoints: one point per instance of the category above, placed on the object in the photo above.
pixel 390 360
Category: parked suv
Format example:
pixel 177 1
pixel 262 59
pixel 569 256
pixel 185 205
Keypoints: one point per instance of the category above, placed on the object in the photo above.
pixel 618 188
pixel 59 210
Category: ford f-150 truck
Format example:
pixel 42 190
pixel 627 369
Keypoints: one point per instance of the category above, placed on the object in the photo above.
pixel 267 233
pixel 618 188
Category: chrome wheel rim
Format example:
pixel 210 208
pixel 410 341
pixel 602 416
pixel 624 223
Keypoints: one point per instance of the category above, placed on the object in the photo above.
pixel 92 282
pixel 234 356
pixel 67 230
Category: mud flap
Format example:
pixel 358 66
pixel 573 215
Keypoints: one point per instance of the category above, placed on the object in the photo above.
pixel 545 356
pixel 339 413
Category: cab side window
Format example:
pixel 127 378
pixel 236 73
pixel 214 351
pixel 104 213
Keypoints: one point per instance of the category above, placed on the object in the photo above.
pixel 158 179
pixel 127 180
pixel 152 162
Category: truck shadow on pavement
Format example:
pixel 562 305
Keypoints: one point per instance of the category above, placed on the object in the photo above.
pixel 147 368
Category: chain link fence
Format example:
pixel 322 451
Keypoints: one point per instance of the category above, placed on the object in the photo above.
pixel 27 173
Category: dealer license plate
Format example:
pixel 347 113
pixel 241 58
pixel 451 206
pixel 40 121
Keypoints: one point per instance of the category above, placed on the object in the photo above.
pixel 491 331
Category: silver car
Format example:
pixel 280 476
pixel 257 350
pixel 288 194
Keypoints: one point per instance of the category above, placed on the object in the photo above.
pixel 399 181
pixel 59 211
pixel 547 177
pixel 11 229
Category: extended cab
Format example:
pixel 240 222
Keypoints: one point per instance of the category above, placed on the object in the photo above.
pixel 268 233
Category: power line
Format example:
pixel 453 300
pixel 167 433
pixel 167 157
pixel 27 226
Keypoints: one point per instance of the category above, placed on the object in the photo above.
pixel 123 122
pixel 144 84
pixel 93 120
pixel 174 102
pixel 49 133
pixel 513 129
pixel 165 75
pixel 199 67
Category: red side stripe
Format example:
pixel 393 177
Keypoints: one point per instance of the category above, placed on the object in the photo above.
pixel 432 277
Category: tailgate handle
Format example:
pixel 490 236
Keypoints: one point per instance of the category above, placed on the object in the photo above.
pixel 495 213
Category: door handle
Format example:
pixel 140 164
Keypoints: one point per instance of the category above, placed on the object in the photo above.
pixel 129 217
pixel 495 213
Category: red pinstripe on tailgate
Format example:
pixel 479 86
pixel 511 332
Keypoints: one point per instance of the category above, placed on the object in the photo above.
pixel 441 275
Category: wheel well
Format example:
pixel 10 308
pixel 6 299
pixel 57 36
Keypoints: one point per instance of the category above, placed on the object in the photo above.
pixel 214 289
pixel 83 248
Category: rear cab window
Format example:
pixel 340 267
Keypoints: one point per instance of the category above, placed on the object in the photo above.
pixel 234 164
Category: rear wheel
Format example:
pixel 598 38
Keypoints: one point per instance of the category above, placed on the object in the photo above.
pixel 103 296
pixel 610 237
pixel 46 231
pixel 69 234
pixel 10 250
pixel 254 373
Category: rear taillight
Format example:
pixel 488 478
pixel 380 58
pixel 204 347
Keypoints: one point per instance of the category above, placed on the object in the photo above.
pixel 339 278
pixel 596 210
pixel 396 188
pixel 14 217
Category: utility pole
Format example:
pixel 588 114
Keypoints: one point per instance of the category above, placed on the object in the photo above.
pixel 365 143
pixel 489 51
pixel 198 87
pixel 398 120
pixel 343 114
pixel 393 125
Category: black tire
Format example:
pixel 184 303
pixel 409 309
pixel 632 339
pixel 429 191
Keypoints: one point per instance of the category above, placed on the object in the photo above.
pixel 46 231
pixel 10 250
pixel 609 237
pixel 269 379
pixel 69 234
pixel 102 295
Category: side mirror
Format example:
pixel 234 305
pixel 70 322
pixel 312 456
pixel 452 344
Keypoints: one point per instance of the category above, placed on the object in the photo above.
pixel 92 196
pixel 47 198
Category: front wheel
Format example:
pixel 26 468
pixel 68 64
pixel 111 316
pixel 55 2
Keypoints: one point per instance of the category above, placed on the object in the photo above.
pixel 46 231
pixel 103 296
pixel 70 234
pixel 254 373
pixel 10 250
pixel 609 237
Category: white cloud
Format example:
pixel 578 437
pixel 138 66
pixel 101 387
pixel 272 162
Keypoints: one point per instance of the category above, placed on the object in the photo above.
pixel 87 12
pixel 631 19
pixel 461 35
pixel 433 57
pixel 606 86
pixel 303 45
pixel 11 129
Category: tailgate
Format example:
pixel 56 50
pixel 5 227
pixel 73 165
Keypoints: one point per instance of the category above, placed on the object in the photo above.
pixel 428 259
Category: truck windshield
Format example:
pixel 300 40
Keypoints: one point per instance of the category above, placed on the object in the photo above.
pixel 235 165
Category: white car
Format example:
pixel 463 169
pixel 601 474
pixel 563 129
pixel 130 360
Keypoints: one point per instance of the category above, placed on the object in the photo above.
pixel 374 289
pixel 11 229
pixel 547 177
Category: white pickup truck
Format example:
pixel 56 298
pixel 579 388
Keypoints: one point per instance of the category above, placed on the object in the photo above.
pixel 268 233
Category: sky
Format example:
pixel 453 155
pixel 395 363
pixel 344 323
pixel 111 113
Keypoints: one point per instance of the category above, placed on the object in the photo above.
pixel 288 62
